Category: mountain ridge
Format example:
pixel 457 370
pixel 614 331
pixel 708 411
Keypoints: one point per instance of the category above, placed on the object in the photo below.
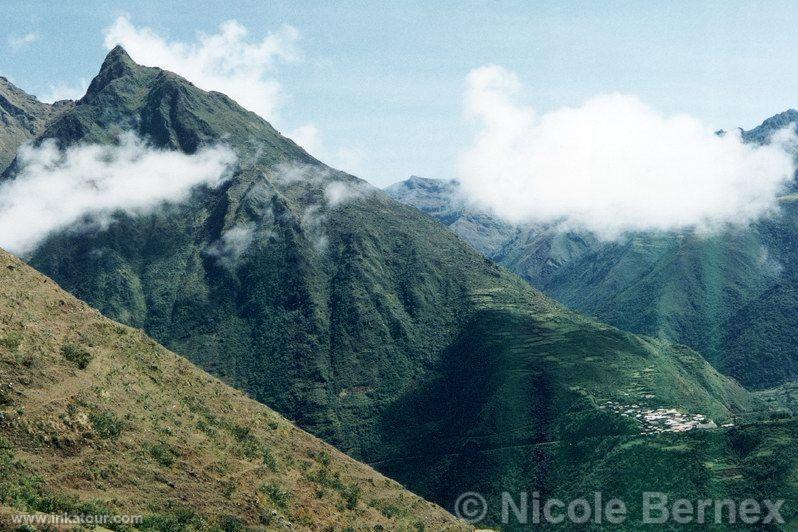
pixel 22 118
pixel 363 320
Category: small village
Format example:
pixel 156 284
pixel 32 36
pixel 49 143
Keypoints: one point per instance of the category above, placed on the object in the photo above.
pixel 656 421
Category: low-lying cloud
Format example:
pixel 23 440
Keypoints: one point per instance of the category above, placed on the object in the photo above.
pixel 56 189
pixel 336 193
pixel 226 61
pixel 614 164
pixel 232 245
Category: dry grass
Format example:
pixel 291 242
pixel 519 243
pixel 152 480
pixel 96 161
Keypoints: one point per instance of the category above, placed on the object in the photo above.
pixel 141 430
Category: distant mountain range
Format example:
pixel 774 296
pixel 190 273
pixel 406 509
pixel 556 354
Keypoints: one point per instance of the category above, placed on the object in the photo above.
pixel 730 296
pixel 376 328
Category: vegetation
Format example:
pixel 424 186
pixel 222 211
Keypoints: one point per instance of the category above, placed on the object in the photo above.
pixel 366 322
pixel 121 435
pixel 730 296
pixel 79 356
pixel 106 424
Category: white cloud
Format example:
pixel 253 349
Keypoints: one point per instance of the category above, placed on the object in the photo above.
pixel 613 165
pixel 225 61
pixel 310 138
pixel 232 245
pixel 18 42
pixel 307 136
pixel 335 194
pixel 65 91
pixel 339 192
pixel 55 189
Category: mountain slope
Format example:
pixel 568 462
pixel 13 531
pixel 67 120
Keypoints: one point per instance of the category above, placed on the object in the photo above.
pixel 352 314
pixel 439 199
pixel 728 296
pixel 97 417
pixel 22 117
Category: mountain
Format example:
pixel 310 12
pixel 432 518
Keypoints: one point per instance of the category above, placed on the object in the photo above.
pixel 97 418
pixel 22 117
pixel 439 199
pixel 730 296
pixel 365 321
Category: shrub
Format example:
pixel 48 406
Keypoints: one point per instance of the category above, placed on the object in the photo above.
pixel 351 495
pixel 278 495
pixel 230 523
pixel 106 424
pixel 12 341
pixel 78 356
pixel 269 460
pixel 163 454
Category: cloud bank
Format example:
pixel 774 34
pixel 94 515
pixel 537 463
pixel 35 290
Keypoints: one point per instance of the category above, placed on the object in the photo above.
pixel 55 189
pixel 613 165
pixel 226 61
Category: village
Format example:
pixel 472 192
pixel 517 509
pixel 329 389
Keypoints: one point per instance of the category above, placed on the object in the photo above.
pixel 656 421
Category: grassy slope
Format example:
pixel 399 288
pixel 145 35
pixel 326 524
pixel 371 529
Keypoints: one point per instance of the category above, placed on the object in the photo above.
pixel 360 339
pixel 140 430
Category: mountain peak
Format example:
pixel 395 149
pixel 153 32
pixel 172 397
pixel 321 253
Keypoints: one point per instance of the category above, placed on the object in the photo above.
pixel 117 54
pixel 762 132
pixel 116 65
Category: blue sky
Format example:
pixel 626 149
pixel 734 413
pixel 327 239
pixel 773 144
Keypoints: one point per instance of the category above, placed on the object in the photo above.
pixel 386 80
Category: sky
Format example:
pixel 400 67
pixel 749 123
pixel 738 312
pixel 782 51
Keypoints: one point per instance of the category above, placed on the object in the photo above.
pixel 377 88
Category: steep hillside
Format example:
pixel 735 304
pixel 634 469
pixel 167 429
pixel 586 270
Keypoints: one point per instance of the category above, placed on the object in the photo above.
pixel 363 320
pixel 98 418
pixel 22 117
pixel 729 296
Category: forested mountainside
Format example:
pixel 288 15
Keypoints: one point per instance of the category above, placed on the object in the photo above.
pixel 363 320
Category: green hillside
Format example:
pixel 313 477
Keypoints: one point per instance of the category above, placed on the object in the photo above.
pixel 729 296
pixel 97 418
pixel 22 117
pixel 365 321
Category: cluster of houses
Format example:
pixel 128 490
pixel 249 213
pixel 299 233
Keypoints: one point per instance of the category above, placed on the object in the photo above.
pixel 655 421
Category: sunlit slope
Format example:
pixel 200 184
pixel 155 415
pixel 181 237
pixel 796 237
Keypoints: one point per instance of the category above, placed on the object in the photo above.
pixel 97 417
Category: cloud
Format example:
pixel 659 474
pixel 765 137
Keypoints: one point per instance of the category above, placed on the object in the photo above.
pixel 65 91
pixel 310 138
pixel 56 189
pixel 613 165
pixel 335 193
pixel 18 42
pixel 232 245
pixel 339 192
pixel 307 136
pixel 225 61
